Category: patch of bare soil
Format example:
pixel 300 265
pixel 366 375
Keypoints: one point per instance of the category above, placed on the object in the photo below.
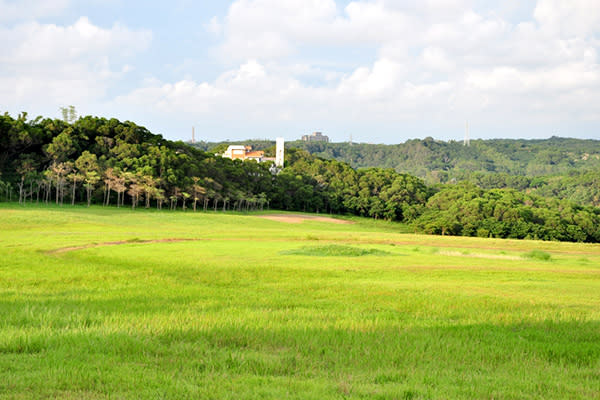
pixel 299 218
pixel 88 246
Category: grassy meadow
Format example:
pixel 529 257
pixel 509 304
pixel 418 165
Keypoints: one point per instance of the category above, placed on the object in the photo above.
pixel 113 303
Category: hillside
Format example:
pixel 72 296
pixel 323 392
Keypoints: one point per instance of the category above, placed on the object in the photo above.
pixel 564 168
pixel 109 162
pixel 443 160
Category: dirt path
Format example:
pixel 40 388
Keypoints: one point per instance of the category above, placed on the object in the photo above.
pixel 92 245
pixel 299 218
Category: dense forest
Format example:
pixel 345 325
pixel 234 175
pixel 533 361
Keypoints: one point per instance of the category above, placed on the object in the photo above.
pixel 93 160
pixel 558 167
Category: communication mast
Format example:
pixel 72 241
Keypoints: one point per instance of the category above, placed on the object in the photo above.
pixel 467 141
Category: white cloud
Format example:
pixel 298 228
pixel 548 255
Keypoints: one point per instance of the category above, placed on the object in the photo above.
pixel 272 29
pixel 246 91
pixel 378 83
pixel 42 43
pixel 571 18
pixel 30 9
pixel 65 64
pixel 254 92
pixel 434 59
pixel 372 62
pixel 567 77
pixel 261 28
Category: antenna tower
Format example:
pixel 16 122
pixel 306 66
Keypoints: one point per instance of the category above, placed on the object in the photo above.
pixel 193 136
pixel 467 141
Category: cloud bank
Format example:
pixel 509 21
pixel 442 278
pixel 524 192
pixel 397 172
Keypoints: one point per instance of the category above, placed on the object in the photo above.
pixel 298 65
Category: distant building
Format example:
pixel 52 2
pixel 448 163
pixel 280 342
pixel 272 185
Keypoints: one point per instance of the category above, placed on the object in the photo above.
pixel 315 137
pixel 239 152
pixel 235 152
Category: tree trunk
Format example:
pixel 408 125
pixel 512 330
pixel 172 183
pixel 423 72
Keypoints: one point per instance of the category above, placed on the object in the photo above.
pixel 73 196
pixel 21 189
pixel 107 195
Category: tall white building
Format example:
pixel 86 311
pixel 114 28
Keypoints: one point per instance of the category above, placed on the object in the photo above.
pixel 279 151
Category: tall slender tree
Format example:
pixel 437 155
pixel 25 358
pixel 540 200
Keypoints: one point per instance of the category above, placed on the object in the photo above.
pixel 87 164
pixel 75 177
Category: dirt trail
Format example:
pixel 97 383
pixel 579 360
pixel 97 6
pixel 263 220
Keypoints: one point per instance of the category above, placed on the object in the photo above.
pixel 103 244
pixel 299 218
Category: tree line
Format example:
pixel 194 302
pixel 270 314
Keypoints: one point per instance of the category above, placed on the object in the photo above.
pixel 565 168
pixel 467 210
pixel 93 160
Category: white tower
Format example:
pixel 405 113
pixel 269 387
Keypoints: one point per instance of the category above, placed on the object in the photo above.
pixel 467 141
pixel 279 152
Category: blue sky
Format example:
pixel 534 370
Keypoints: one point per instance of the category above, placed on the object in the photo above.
pixel 383 71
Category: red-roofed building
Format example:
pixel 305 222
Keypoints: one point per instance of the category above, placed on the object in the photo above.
pixel 239 152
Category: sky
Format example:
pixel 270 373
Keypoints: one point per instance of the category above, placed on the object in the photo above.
pixel 379 71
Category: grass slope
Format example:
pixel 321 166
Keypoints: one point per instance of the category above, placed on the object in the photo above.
pixel 109 303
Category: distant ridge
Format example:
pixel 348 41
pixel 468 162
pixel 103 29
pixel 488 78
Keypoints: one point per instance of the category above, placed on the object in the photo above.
pixel 440 161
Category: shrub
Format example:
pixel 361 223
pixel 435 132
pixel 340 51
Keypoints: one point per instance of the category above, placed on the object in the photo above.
pixel 538 255
pixel 334 250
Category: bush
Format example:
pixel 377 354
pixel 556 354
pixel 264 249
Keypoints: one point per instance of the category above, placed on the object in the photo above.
pixel 334 250
pixel 538 255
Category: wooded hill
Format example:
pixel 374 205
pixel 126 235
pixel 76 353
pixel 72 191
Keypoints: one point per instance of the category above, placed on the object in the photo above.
pixel 109 162
pixel 557 167
pixel 420 157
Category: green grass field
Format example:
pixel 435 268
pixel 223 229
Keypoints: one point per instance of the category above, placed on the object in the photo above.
pixel 110 303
